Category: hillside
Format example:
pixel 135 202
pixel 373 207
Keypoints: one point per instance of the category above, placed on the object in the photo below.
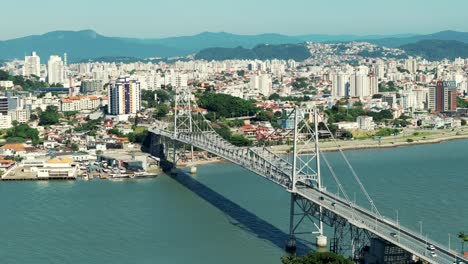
pixel 298 52
pixel 436 50
pixel 443 35
pixel 87 44
pixel 81 45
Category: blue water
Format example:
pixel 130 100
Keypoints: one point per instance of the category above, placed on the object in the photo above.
pixel 225 214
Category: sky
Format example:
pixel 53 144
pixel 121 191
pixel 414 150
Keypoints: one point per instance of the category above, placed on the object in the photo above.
pixel 166 18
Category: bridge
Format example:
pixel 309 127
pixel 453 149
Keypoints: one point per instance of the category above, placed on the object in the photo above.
pixel 300 175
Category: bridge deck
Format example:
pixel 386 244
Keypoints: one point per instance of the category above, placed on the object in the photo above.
pixel 274 168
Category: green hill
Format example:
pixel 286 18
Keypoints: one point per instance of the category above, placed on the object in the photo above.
pixel 298 52
pixel 436 50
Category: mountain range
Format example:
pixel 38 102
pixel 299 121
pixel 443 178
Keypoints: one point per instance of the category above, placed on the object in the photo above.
pixel 88 44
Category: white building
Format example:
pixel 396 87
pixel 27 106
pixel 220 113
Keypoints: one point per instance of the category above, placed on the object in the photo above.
pixel 5 121
pixel 55 70
pixel 262 83
pixel 6 84
pixel 80 103
pixel 363 84
pixel 32 65
pixel 20 115
pixel 365 122
pixel 340 84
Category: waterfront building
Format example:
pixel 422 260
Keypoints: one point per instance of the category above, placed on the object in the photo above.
pixel 443 97
pixel 365 122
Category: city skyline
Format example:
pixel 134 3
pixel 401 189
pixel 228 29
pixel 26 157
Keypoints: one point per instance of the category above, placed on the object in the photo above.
pixel 165 19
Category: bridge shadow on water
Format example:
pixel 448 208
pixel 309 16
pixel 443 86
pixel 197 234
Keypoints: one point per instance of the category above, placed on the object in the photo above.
pixel 239 216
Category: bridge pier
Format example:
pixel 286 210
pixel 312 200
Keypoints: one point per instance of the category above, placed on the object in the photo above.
pixel 291 243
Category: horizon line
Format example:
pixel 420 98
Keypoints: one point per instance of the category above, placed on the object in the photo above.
pixel 226 32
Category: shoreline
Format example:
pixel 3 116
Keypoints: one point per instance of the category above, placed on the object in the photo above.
pixel 351 145
pixel 395 144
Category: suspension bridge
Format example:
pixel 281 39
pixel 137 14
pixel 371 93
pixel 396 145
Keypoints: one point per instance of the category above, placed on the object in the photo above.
pixel 311 205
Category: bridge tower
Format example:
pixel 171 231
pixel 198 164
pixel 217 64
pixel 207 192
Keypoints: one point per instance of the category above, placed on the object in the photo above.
pixel 308 165
pixel 183 122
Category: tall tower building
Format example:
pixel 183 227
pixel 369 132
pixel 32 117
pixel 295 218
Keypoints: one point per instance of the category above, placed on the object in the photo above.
pixel 124 96
pixel 55 71
pixel 360 82
pixel 263 83
pixel 443 97
pixel 340 84
pixel 32 65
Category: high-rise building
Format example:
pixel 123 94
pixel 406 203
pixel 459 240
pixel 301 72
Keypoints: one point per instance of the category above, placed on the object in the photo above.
pixel 124 96
pixel 91 86
pixel 32 65
pixel 411 65
pixel 443 97
pixel 359 82
pixel 262 82
pixel 55 70
pixel 4 105
pixel 340 84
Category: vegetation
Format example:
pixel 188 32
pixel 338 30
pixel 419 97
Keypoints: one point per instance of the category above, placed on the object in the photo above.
pixel 388 87
pixel 237 140
pixel 227 106
pixel 21 133
pixel 317 258
pixel 436 50
pixel 463 238
pixel 385 132
pixel 300 83
pixel 90 125
pixel 30 83
pixel 49 117
pixel 138 135
pixel 276 96
pixel 157 99
pixel 340 112
pixel 298 52
pixel 461 103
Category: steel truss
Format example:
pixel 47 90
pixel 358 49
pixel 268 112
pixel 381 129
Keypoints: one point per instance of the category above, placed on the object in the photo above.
pixel 347 238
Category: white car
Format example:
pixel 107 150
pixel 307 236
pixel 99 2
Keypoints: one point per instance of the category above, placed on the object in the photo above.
pixel 431 247
pixel 433 254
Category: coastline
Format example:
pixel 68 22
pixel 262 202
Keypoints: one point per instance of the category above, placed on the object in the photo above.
pixel 433 137
pixel 387 142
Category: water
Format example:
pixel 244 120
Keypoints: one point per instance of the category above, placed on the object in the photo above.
pixel 223 215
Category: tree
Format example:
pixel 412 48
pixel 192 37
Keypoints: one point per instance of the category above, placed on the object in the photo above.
pixel 463 122
pixel 21 132
pixel 227 106
pixel 162 110
pixel 49 117
pixel 317 258
pixel 274 96
pixel 464 238
pixel 74 147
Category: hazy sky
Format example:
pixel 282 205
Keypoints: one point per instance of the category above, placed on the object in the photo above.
pixel 162 18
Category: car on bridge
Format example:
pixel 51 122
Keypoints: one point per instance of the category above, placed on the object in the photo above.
pixel 431 247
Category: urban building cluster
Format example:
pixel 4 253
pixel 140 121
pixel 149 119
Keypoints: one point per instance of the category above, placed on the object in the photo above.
pixel 428 94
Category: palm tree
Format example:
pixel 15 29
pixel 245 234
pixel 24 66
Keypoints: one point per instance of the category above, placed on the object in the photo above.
pixel 464 238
